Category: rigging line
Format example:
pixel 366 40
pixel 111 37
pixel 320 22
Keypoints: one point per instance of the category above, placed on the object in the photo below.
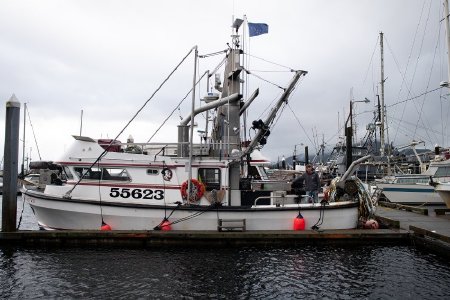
pixel 34 135
pixel 196 214
pixel 259 77
pixel 411 50
pixel 409 99
pixel 421 45
pixel 428 85
pixel 410 55
pixel 213 54
pixel 270 71
pixel 129 122
pixel 407 132
pixel 417 61
pixel 275 121
pixel 444 125
pixel 371 60
pixel 100 193
pixel 411 124
pixel 173 111
pixel 182 100
pixel 270 106
pixel 270 62
pixel 403 75
pixel 298 121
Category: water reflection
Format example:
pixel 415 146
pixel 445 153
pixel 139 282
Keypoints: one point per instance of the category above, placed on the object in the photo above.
pixel 309 272
pixel 250 273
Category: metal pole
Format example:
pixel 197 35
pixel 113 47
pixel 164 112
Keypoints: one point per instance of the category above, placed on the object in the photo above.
pixel 23 139
pixel 447 29
pixel 382 97
pixel 81 122
pixel 11 153
pixel 191 137
pixel 348 135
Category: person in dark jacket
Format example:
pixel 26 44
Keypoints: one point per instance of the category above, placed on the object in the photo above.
pixel 310 181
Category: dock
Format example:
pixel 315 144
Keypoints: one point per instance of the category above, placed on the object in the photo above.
pixel 428 227
pixel 405 225
pixel 201 238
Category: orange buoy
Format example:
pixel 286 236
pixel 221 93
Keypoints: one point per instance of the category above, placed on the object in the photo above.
pixel 105 227
pixel 165 225
pixel 371 224
pixel 299 222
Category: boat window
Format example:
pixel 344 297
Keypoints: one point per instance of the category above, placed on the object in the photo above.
pixel 117 174
pixel 152 171
pixel 67 173
pixel 210 178
pixel 442 172
pixel 263 173
pixel 253 172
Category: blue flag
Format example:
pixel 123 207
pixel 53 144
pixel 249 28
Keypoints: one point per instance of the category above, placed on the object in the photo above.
pixel 255 29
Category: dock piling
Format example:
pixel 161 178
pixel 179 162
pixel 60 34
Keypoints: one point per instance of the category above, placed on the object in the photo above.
pixel 11 154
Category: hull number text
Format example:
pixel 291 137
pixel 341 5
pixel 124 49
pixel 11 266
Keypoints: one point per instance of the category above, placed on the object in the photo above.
pixel 137 193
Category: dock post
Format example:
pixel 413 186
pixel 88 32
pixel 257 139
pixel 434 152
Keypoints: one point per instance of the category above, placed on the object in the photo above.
pixel 11 154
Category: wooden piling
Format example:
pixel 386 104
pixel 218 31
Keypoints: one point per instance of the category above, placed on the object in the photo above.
pixel 11 153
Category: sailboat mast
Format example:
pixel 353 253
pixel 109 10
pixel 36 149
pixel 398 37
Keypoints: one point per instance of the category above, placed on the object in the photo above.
pixel 382 98
pixel 447 31
pixel 23 139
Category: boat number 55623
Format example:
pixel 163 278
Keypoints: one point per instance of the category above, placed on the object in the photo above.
pixel 137 193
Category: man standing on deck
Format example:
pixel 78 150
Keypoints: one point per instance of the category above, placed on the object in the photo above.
pixel 311 182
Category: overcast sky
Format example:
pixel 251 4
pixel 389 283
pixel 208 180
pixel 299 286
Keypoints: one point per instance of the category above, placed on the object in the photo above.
pixel 106 58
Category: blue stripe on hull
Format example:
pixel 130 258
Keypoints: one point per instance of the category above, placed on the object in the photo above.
pixel 408 190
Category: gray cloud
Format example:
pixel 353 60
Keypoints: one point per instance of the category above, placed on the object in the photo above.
pixel 107 57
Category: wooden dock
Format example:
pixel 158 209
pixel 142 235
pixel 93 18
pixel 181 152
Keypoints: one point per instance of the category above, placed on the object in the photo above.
pixel 428 227
pixel 201 238
pixel 420 226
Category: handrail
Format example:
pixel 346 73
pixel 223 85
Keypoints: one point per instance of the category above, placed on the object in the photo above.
pixel 273 197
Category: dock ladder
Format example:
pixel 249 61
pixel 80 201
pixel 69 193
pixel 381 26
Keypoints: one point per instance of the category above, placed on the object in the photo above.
pixel 231 224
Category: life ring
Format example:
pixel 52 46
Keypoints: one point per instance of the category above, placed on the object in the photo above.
pixel 197 191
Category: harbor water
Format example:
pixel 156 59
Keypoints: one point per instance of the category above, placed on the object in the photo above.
pixel 308 272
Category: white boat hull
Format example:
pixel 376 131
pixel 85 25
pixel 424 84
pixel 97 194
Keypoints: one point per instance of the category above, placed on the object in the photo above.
pixel 443 189
pixel 410 193
pixel 72 214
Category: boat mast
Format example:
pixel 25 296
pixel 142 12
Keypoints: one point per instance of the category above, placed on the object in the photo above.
pixel 23 139
pixel 191 136
pixel 81 122
pixel 447 31
pixel 382 148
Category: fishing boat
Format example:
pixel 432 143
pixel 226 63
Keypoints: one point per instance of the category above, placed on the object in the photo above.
pixel 212 186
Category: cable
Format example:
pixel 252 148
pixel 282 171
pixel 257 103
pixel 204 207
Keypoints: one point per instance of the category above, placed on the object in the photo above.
pixel 21 214
pixel 34 135
pixel 277 64
pixel 321 215
pixel 129 122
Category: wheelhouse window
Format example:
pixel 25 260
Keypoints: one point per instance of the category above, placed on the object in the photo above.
pixel 257 172
pixel 443 172
pixel 114 174
pixel 210 177
pixel 152 171
pixel 66 174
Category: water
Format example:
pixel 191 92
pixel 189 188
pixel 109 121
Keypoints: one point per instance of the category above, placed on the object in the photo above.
pixel 310 272
pixel 28 221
